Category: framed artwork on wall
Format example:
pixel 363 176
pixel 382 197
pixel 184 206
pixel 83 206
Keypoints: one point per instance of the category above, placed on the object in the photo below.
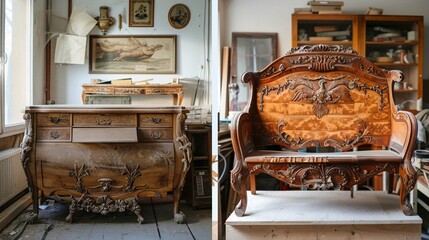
pixel 147 54
pixel 141 13
pixel 179 16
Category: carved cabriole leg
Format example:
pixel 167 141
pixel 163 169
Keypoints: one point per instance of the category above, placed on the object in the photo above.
pixel 408 181
pixel 26 151
pixel 185 147
pixel 239 183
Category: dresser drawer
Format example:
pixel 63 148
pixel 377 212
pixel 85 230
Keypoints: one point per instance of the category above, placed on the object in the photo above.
pixel 112 169
pixel 53 119
pixel 53 134
pixel 156 120
pixel 155 134
pixel 104 120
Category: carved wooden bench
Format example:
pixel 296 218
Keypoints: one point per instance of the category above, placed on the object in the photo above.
pixel 322 96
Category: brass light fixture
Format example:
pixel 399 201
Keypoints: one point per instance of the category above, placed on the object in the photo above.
pixel 104 21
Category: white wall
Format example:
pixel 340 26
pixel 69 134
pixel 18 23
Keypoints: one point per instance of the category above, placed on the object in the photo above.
pixel 66 80
pixel 275 16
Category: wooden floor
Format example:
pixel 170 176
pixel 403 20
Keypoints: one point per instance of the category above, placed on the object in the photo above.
pixel 158 224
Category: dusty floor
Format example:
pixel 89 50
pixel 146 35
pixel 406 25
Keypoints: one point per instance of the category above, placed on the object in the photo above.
pixel 158 224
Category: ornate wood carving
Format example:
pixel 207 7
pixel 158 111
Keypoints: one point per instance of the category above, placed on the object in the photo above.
pixel 314 80
pixel 305 159
pixel 360 137
pixel 184 147
pixel 132 175
pixel 322 48
pixel 320 91
pixel 293 143
pixel 371 70
pixel 322 63
pixel 298 143
pixel 78 173
pixel 104 205
pixel 322 175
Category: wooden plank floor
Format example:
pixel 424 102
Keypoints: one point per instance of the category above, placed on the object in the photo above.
pixel 158 224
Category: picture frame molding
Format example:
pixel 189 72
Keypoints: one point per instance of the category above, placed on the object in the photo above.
pixel 173 9
pixel 96 39
pixel 131 16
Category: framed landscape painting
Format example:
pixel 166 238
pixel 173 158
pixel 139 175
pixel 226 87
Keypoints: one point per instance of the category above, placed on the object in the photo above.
pixel 132 54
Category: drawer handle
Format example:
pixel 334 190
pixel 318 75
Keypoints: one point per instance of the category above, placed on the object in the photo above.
pixel 54 119
pixel 156 135
pixel 54 135
pixel 103 122
pixel 156 120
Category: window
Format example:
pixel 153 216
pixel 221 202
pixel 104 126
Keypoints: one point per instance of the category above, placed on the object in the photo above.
pixel 15 67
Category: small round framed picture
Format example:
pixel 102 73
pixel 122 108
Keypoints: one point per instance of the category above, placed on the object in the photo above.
pixel 179 16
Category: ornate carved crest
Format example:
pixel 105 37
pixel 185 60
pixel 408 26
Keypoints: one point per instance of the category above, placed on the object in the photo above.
pixel 322 48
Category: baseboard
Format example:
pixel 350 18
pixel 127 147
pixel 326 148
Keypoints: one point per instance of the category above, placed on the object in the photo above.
pixel 10 213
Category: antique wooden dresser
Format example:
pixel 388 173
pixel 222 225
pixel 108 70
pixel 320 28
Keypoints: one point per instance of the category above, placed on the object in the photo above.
pixel 104 158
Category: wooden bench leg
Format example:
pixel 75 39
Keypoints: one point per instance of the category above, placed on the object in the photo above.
pixel 253 184
pixel 407 184
pixel 239 177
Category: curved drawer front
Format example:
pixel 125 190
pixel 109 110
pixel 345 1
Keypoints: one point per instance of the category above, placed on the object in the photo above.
pixel 53 119
pixel 104 120
pixel 155 120
pixel 155 134
pixel 52 134
pixel 110 169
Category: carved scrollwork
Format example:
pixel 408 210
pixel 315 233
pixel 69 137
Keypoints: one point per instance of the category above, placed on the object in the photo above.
pixel 26 147
pixel 360 137
pixel 104 205
pixel 132 175
pixel 322 63
pixel 184 147
pixel 322 48
pixel 268 72
pixel 371 70
pixel 78 173
pixel 293 143
pixel 321 175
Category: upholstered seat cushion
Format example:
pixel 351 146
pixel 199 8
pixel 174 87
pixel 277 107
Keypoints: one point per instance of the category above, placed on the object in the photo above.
pixel 270 156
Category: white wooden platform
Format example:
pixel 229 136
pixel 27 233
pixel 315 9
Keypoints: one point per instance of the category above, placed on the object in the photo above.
pixel 323 215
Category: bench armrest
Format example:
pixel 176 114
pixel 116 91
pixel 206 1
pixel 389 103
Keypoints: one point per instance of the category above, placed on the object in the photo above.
pixel 242 135
pixel 404 134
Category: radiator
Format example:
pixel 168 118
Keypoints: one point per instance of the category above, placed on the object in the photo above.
pixel 12 176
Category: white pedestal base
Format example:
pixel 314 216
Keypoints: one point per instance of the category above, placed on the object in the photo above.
pixel 323 215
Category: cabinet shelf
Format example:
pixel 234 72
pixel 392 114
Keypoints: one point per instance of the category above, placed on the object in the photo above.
pixel 200 158
pixel 325 42
pixel 407 36
pixel 387 43
pixel 396 64
pixel 404 90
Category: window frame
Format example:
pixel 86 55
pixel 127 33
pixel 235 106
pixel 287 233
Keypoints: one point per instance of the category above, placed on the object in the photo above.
pixel 18 128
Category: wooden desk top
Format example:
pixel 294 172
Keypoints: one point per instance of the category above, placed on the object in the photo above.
pixel 162 89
